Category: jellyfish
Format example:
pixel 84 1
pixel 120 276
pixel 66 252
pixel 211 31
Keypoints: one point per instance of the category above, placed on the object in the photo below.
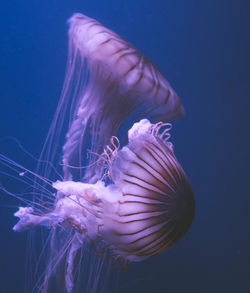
pixel 148 207
pixel 127 196
pixel 107 80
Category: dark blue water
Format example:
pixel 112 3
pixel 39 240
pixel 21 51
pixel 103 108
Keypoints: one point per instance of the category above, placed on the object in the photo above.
pixel 203 49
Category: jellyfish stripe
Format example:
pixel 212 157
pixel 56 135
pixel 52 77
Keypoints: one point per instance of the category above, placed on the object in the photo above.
pixel 141 219
pixel 140 202
pixel 148 223
pixel 152 247
pixel 146 199
pixel 150 241
pixel 158 168
pixel 138 207
pixel 155 249
pixel 167 160
pixel 162 181
pixel 156 151
pixel 164 169
pixel 141 75
pixel 167 97
pixel 151 183
pixel 143 196
pixel 163 210
pixel 155 191
pixel 160 235
pixel 157 177
pixel 147 163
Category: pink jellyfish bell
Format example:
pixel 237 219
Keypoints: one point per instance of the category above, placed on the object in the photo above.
pixel 147 203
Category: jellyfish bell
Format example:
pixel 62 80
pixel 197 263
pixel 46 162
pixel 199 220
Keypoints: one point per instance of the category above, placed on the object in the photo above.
pixel 122 63
pixel 148 207
pixel 107 80
pixel 157 206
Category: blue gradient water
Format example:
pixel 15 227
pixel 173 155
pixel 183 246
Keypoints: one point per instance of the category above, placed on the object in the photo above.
pixel 203 49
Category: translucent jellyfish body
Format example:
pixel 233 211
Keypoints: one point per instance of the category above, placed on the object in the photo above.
pixel 147 208
pixel 129 203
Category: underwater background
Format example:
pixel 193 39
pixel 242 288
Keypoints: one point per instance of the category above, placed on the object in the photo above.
pixel 203 48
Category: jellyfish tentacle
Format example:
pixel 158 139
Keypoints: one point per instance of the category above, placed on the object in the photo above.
pixel 115 144
pixel 111 151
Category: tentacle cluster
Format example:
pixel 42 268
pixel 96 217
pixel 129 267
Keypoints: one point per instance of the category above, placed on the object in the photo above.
pixel 161 131
pixel 109 154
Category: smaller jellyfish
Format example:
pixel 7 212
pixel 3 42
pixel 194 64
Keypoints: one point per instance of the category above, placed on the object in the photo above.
pixel 147 208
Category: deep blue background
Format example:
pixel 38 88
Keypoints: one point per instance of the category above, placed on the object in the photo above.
pixel 203 49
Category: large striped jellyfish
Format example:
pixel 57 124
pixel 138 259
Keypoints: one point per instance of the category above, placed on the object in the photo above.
pixel 126 196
